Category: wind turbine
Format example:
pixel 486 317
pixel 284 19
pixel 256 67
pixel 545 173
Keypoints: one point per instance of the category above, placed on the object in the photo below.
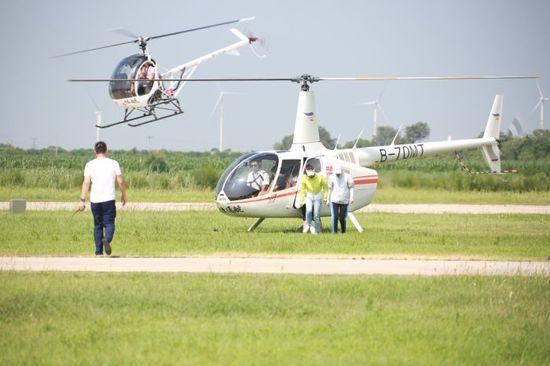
pixel 98 120
pixel 377 108
pixel 540 104
pixel 97 123
pixel 219 103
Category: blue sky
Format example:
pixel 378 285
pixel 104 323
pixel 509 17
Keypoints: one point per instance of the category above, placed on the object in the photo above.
pixel 324 38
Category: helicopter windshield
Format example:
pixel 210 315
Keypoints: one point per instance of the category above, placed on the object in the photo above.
pixel 251 176
pixel 126 69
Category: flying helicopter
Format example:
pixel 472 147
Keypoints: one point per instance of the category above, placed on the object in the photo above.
pixel 235 197
pixel 145 93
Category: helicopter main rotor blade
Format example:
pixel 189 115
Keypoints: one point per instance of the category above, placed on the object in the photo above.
pixel 376 78
pixel 200 28
pixel 181 79
pixel 125 32
pixel 312 79
pixel 93 49
pixel 145 39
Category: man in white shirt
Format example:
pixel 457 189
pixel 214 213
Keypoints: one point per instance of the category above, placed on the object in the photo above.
pixel 257 179
pixel 101 173
pixel 340 196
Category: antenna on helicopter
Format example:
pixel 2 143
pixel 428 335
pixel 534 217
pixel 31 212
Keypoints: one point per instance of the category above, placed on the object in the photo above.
pixel 337 141
pixel 141 41
pixel 396 135
pixel 358 137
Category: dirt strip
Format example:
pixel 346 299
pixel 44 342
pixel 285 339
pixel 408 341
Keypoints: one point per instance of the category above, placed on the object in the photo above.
pixel 317 266
pixel 388 208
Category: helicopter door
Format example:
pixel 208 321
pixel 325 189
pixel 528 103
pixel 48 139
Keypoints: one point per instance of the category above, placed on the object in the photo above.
pixel 288 175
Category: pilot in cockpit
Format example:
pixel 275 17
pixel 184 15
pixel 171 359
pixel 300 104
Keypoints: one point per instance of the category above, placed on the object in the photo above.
pixel 145 76
pixel 258 178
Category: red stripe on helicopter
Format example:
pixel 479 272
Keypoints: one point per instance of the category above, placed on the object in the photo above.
pixel 366 179
pixel 264 198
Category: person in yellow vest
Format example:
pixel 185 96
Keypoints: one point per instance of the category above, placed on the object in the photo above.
pixel 313 190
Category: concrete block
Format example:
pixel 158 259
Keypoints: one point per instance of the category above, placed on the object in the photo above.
pixel 18 206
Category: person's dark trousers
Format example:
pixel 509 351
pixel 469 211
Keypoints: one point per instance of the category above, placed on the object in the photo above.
pixel 104 218
pixel 339 212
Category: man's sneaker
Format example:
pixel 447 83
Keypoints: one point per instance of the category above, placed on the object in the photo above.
pixel 313 231
pixel 98 254
pixel 306 228
pixel 107 247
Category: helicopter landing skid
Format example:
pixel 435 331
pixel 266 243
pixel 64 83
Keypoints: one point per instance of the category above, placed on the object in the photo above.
pixel 154 112
pixel 154 119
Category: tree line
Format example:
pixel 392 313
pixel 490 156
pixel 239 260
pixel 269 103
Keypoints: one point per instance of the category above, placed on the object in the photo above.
pixel 384 136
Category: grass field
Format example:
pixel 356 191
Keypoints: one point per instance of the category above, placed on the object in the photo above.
pixel 114 319
pixel 189 233
pixel 386 194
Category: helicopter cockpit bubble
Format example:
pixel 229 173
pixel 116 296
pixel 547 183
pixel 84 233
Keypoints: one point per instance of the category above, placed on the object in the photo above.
pixel 134 70
pixel 249 176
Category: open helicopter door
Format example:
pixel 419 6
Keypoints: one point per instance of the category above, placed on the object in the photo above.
pixel 286 181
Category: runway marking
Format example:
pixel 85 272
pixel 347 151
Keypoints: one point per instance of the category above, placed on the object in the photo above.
pixel 316 266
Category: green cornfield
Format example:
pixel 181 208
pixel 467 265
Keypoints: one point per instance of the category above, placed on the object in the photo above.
pixel 170 170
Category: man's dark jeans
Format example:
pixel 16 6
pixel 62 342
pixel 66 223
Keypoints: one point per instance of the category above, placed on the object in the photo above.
pixel 104 218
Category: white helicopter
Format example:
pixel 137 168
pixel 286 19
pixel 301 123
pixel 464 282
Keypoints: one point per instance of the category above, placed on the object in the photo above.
pixel 138 86
pixel 235 197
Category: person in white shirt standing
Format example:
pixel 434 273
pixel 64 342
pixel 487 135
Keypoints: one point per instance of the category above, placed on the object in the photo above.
pixel 101 173
pixel 340 195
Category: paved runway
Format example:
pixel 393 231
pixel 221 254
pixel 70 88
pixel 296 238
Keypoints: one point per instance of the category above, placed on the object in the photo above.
pixel 390 208
pixel 294 265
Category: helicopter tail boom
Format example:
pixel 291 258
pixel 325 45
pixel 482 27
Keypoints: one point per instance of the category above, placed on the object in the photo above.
pixel 188 68
pixel 369 156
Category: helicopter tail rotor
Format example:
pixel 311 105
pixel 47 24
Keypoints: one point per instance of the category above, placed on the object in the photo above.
pixel 260 42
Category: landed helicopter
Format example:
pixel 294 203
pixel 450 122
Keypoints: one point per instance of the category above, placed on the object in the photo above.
pixel 138 86
pixel 237 197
